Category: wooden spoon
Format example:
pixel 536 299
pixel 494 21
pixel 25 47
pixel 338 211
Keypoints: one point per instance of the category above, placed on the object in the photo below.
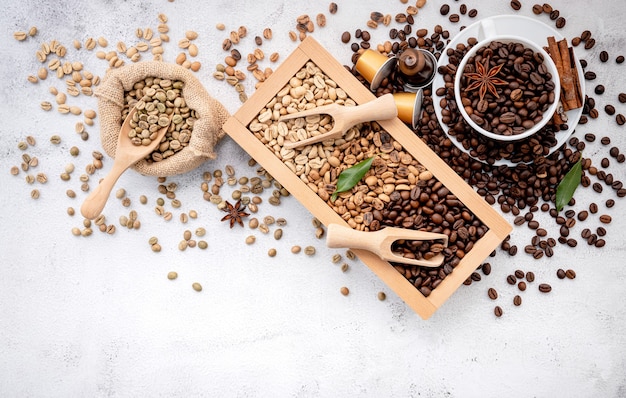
pixel 126 155
pixel 344 117
pixel 380 242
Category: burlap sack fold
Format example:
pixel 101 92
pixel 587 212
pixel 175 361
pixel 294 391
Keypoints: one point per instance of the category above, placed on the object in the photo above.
pixel 207 130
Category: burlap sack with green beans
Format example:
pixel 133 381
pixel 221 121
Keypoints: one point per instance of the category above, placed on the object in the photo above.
pixel 206 131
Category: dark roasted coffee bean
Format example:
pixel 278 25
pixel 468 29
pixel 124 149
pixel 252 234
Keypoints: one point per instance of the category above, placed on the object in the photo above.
pixel 619 59
pixel 516 5
pixel 571 242
pixel 537 9
pixel 597 187
pixel 521 286
pixel 605 162
pixel 620 119
pixel 604 56
pixel 530 276
pixel 486 268
pixel 614 151
pixel 582 215
pixel 593 208
pixel 554 14
pixel 605 219
pixel 472 13
pixel 497 311
pixel 345 37
pixel 538 254
pixel 586 35
pixel 513 250
pixel 590 137
pixel 533 224
pixel 575 41
pixel 590 43
pixel 610 203
pixel 444 10
pixel 560 22
pixel 570 274
pixel 609 109
pixel 621 97
pixel 454 18
pixel 517 300
pixel 545 288
pixel 519 274
pixel 463 9
pixel 590 75
pixel 605 140
pixel 492 293
pixel 560 273
pixel 599 89
pixel 511 279
pixel 600 243
pixel 365 35
pixel 585 233
pixel 601 231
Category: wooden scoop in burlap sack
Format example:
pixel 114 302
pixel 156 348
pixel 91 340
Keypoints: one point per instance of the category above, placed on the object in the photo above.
pixel 207 129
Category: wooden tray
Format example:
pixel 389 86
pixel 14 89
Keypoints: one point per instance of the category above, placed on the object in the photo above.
pixel 310 50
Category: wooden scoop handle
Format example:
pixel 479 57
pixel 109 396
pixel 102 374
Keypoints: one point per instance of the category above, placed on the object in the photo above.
pixel 382 108
pixel 97 199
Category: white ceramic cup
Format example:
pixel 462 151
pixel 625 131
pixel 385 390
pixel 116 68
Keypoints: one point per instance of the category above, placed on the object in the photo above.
pixel 488 33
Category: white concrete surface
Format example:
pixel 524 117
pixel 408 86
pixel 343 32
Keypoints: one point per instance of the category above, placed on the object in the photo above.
pixel 97 316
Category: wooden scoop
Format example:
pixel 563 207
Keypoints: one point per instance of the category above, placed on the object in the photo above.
pixel 344 117
pixel 379 242
pixel 126 155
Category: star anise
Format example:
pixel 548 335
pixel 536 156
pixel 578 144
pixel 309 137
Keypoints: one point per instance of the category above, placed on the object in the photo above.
pixel 485 80
pixel 235 213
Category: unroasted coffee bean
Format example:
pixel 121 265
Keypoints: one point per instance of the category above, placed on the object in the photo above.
pixel 492 293
pixel 498 311
pixel 545 288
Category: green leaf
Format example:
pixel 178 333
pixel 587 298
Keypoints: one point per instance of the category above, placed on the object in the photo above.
pixel 351 176
pixel 567 186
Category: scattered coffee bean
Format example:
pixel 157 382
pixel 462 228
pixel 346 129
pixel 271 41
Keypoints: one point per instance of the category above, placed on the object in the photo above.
pixel 497 311
pixel 492 293
pixel 590 75
pixel 620 119
pixel 570 274
pixel 381 296
pixel 599 89
pixel 345 37
pixel 560 273
pixel 604 56
pixel 545 288
pixel 472 13
pixel 537 9
pixel 521 286
pixel 444 10
pixel 511 279
pixel 516 5
pixel 486 268
pixel 332 8
pixel 605 140
pixel 519 274
pixel 517 300
pixel 560 22
pixel 619 59
pixel 609 109
pixel 530 276
pixel 622 97
pixel 454 18
pixel 462 9
pixel 605 219
pixel 344 290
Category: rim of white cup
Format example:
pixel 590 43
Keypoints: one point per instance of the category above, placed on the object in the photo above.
pixel 547 115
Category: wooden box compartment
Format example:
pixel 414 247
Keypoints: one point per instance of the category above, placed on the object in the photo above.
pixel 237 128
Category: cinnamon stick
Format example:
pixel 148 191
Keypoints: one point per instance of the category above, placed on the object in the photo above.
pixel 577 87
pixel 567 78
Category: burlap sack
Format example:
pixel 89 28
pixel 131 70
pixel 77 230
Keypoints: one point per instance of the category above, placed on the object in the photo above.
pixel 207 130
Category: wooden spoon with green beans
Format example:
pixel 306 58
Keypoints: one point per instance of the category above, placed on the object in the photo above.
pixel 127 154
